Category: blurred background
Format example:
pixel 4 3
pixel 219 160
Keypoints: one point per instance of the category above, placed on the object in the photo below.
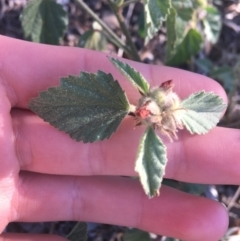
pixel 208 43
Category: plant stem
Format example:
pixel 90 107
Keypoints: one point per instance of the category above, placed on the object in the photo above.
pixel 125 4
pixel 113 37
pixel 118 12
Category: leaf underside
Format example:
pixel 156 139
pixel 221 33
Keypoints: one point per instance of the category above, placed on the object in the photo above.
pixel 151 162
pixel 201 112
pixel 44 21
pixel 89 107
pixel 132 75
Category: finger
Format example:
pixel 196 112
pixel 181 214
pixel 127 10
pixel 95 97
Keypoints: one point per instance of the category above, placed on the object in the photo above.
pixel 119 201
pixel 9 166
pixel 211 158
pixel 30 67
pixel 30 237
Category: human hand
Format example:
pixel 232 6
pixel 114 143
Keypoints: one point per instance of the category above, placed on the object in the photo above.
pixel 47 176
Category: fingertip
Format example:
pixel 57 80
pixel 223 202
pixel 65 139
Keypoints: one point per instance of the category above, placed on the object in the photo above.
pixel 211 224
pixel 220 220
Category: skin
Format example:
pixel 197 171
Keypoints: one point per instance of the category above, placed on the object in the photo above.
pixel 46 176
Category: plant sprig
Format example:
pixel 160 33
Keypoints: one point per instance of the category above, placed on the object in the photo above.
pixel 90 107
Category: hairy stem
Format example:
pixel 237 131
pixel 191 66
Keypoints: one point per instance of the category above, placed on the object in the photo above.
pixel 111 35
pixel 118 12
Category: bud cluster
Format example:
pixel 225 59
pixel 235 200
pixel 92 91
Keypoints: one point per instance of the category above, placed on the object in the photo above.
pixel 161 109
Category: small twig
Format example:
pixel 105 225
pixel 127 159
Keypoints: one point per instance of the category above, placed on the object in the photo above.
pixel 114 38
pixel 233 200
pixel 127 20
pixel 129 2
pixel 118 13
pixel 129 13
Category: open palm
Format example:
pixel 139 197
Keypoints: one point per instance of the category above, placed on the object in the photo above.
pixel 46 176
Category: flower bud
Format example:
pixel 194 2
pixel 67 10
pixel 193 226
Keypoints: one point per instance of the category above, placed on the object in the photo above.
pixel 161 110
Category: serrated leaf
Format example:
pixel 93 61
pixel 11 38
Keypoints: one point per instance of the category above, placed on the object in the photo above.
pixel 188 48
pixel 89 107
pixel 132 75
pixel 201 112
pixel 151 162
pixel 44 21
pixel 136 235
pixel 156 12
pixel 93 40
pixel 212 24
pixel 79 232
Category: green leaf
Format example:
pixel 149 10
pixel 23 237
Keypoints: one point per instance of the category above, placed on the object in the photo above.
pixel 171 32
pixel 132 75
pixel 199 3
pixel 89 107
pixel 136 235
pixel 156 12
pixel 183 17
pixel 201 112
pixel 178 25
pixel 141 25
pixel 93 40
pixel 184 9
pixel 205 65
pixel 171 239
pixel 151 162
pixel 44 21
pixel 212 24
pixel 225 75
pixel 196 189
pixel 79 232
pixel 188 48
